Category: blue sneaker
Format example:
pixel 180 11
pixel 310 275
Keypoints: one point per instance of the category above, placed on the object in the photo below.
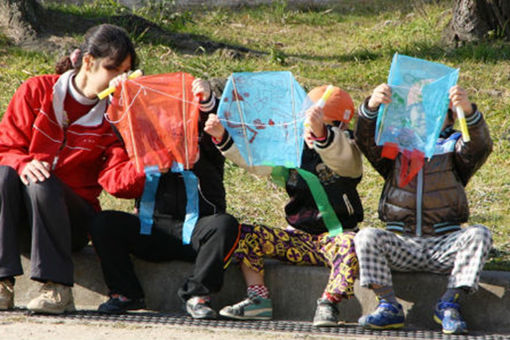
pixel 447 314
pixel 386 316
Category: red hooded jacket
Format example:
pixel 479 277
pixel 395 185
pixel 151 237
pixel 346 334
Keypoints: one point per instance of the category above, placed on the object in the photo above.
pixel 87 155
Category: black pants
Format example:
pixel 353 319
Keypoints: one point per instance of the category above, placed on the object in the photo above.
pixel 116 235
pixel 52 215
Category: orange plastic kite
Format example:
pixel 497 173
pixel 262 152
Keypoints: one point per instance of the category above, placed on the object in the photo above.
pixel 157 117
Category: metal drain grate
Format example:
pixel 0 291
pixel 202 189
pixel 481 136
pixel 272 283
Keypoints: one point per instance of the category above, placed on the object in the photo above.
pixel 180 319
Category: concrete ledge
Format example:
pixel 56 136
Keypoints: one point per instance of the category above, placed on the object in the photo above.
pixel 294 291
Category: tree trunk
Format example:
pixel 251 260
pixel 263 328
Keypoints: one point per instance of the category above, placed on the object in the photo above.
pixel 20 20
pixel 475 20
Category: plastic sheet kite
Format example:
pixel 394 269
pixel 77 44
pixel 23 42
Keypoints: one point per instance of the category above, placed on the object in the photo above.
pixel 264 113
pixel 157 117
pixel 411 123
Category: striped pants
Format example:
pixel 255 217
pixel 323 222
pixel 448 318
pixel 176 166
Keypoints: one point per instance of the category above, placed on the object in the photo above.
pixel 301 248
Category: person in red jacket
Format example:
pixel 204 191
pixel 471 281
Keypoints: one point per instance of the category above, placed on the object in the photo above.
pixel 57 153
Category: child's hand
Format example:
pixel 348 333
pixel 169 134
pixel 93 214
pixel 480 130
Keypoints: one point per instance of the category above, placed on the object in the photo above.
pixel 380 95
pixel 308 137
pixel 315 121
pixel 458 97
pixel 213 127
pixel 115 82
pixel 201 89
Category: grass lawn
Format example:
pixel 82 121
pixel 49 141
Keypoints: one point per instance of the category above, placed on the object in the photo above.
pixel 350 45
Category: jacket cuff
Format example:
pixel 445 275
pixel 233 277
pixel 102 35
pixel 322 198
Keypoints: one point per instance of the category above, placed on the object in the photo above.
pixel 225 143
pixel 208 105
pixel 475 117
pixel 330 136
pixel 365 112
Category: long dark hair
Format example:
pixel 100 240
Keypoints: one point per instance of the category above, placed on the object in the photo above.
pixel 102 41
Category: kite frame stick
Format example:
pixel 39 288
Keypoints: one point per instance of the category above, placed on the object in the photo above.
pixel 291 78
pixel 184 120
pixel 243 125
pixel 130 123
pixel 379 132
pixel 103 94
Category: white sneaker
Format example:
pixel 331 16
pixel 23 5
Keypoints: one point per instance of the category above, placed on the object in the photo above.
pixel 55 298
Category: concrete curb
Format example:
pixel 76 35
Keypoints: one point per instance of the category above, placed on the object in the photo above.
pixel 294 292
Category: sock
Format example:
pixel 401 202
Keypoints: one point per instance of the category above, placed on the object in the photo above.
pixel 453 294
pixel 387 293
pixel 120 297
pixel 201 299
pixel 333 298
pixel 259 290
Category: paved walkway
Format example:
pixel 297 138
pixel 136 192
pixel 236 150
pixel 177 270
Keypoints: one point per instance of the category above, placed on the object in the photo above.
pixel 19 325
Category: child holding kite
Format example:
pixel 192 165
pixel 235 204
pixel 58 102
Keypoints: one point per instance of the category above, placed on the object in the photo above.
pixel 208 241
pixel 57 153
pixel 423 217
pixel 334 158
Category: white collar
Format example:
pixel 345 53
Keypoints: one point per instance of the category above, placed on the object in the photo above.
pixel 93 118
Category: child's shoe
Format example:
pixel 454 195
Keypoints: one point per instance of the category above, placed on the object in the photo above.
pixel 55 298
pixel 198 308
pixel 386 316
pixel 447 314
pixel 326 314
pixel 118 304
pixel 254 307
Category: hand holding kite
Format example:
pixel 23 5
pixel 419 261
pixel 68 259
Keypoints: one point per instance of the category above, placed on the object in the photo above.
pixel 380 95
pixel 214 127
pixel 315 121
pixel 463 106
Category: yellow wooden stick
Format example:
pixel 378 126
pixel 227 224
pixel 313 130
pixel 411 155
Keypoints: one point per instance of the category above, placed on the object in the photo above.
pixel 325 96
pixel 322 101
pixel 463 125
pixel 103 94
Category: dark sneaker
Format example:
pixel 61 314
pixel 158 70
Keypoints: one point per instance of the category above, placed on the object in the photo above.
pixel 326 314
pixel 447 314
pixel 198 307
pixel 254 307
pixel 386 316
pixel 118 304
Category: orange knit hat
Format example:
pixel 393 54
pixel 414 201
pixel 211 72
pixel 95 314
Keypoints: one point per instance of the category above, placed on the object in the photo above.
pixel 339 106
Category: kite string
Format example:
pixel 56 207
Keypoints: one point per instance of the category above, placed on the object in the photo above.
pixel 145 89
pixel 127 109
pixel 257 125
pixel 242 122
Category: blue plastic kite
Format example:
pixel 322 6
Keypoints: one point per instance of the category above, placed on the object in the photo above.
pixel 413 119
pixel 263 113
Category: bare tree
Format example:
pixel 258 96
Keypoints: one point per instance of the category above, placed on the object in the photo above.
pixel 475 20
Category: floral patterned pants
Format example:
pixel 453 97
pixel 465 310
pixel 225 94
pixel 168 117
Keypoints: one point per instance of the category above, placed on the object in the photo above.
pixel 301 248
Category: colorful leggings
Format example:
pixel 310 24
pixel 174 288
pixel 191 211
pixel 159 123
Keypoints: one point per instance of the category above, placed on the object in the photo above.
pixel 301 248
